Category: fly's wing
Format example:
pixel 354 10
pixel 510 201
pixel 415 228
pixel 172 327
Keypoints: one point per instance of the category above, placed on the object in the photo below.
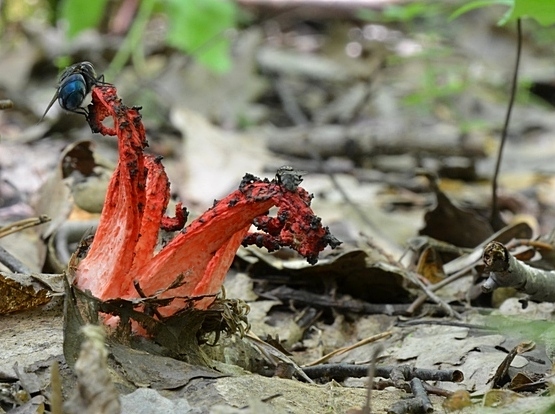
pixel 50 105
pixel 66 72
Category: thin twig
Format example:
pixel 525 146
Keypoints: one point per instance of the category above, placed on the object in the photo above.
pixel 350 305
pixel 367 409
pixel 422 297
pixel 404 372
pixel 444 305
pixel 12 263
pixel 494 200
pixel 22 225
pixel 344 349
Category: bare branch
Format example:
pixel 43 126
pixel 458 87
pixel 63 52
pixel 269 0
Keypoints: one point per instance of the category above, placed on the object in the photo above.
pixel 506 271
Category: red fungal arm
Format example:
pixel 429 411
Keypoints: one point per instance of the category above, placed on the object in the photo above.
pixel 123 250
pixel 105 270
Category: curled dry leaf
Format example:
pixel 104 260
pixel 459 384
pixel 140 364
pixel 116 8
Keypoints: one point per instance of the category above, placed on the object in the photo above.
pixel 449 223
pixel 122 261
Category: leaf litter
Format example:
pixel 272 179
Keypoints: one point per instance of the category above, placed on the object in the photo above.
pixel 357 292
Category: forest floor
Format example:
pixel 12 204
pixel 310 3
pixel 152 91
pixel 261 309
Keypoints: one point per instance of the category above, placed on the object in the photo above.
pixel 396 126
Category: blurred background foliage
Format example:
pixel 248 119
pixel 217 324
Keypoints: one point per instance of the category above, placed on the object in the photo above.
pixel 198 27
pixel 191 25
pixel 203 30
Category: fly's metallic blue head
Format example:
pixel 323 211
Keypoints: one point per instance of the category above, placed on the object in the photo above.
pixel 75 82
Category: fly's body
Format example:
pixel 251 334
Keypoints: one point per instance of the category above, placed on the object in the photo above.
pixel 75 83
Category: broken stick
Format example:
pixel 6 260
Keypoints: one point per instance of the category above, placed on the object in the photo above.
pixel 506 271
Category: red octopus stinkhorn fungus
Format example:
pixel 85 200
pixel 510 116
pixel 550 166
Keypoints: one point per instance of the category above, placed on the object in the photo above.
pixel 122 261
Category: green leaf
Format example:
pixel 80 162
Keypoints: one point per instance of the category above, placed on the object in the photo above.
pixel 543 11
pixel 198 27
pixel 402 13
pixel 478 4
pixel 515 326
pixel 82 14
pixel 406 13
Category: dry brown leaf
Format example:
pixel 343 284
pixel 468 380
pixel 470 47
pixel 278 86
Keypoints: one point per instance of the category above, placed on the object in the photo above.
pixel 19 293
pixel 449 223
pixel 430 266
